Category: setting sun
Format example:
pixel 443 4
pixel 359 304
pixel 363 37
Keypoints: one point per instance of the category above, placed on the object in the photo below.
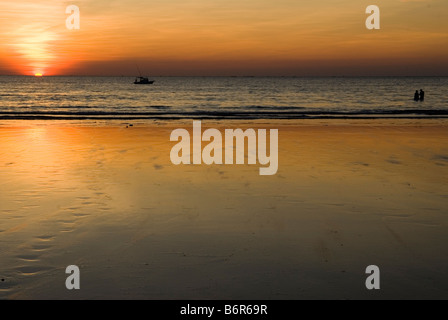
pixel 38 75
pixel 253 37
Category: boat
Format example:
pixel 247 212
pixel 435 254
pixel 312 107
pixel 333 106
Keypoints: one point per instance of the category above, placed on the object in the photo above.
pixel 143 80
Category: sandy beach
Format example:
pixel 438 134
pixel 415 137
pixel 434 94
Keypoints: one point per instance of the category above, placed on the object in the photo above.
pixel 109 200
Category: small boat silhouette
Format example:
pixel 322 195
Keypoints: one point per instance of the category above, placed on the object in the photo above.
pixel 143 80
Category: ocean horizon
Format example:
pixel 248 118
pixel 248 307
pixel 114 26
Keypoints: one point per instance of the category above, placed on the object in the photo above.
pixel 237 97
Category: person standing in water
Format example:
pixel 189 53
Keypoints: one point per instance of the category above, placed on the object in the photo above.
pixel 416 96
pixel 422 95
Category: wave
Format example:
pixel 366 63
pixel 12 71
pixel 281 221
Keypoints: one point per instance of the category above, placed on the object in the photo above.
pixel 223 114
pixel 273 107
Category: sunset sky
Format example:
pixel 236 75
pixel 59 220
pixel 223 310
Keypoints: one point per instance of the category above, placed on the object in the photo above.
pixel 224 37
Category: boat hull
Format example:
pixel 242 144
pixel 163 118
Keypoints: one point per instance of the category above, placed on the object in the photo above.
pixel 149 82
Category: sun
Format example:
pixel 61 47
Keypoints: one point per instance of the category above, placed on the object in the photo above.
pixel 38 74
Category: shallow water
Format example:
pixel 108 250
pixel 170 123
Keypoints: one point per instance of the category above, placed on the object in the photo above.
pixel 220 98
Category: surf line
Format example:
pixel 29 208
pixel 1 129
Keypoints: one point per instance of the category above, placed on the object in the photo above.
pixel 234 147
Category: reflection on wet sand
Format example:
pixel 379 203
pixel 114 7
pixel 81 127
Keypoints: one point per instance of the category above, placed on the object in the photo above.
pixel 109 200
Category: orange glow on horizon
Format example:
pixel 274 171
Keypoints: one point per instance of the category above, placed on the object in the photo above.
pixel 221 37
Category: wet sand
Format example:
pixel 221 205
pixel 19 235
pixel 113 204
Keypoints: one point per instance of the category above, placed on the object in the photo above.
pixel 108 200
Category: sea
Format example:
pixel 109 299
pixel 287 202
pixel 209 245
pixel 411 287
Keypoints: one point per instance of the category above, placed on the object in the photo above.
pixel 118 98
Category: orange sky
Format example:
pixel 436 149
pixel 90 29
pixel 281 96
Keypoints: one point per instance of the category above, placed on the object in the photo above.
pixel 224 37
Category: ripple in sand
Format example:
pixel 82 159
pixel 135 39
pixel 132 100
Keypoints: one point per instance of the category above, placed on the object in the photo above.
pixel 393 161
pixel 7 283
pixel 360 163
pixel 66 221
pixel 5 290
pixel 32 270
pixel 41 247
pixel 28 257
pixel 28 207
pixel 45 237
pixel 73 208
pixel 440 157
pixel 80 215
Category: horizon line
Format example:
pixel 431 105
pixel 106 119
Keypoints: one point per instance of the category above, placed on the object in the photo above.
pixel 232 76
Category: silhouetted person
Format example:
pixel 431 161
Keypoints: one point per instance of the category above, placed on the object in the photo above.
pixel 416 96
pixel 422 95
